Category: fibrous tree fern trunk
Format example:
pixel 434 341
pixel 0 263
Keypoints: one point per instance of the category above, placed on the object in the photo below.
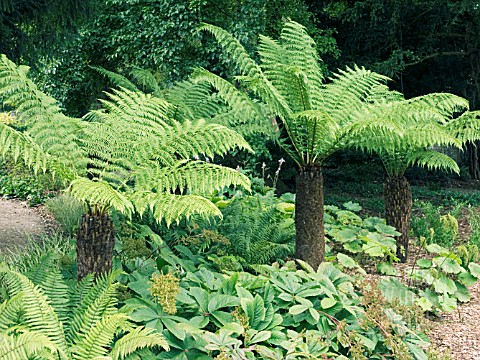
pixel 310 236
pixel 398 208
pixel 95 241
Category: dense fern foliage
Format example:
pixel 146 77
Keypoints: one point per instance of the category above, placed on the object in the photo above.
pixel 259 234
pixel 131 155
pixel 43 317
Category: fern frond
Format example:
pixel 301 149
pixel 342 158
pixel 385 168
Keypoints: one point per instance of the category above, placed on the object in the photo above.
pixel 116 79
pixel 147 80
pixel 350 90
pixel 466 127
pixel 52 131
pixel 38 314
pixel 56 290
pixel 97 341
pixel 171 208
pixel 90 300
pixel 100 192
pixel 196 176
pixel 432 160
pixel 9 311
pixel 135 340
pixel 234 49
pixel 27 345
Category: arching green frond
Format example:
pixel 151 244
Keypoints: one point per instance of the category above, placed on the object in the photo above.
pixel 466 127
pixel 84 319
pixel 17 144
pixel 244 110
pixel 196 176
pixel 444 103
pixel 312 133
pixel 432 160
pixel 52 131
pixel 194 100
pixel 171 208
pixel 38 314
pixel 100 192
pixel 90 299
pixel 235 50
pixel 350 90
pixel 116 79
pixel 425 135
pixel 57 291
pixel 137 339
pixel 9 311
pixel 27 345
pixel 99 337
pixel 147 80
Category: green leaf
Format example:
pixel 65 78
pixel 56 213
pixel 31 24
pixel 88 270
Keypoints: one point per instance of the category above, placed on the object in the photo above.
pixel 467 279
pixel 298 309
pixel 261 336
pixel 462 294
pixel 386 268
pixel 386 229
pixel 346 261
pixel 474 269
pixel 218 301
pixel 444 285
pixel 424 303
pixel 352 206
pixel 327 303
pixel 424 263
pixel 450 266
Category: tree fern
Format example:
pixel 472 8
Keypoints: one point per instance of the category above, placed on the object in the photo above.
pixel 107 156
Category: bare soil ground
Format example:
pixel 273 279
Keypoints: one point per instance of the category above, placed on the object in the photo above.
pixel 18 222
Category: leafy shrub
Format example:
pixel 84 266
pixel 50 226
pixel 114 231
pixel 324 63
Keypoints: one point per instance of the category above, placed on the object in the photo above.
pixel 67 211
pixel 434 225
pixel 368 240
pixel 18 182
pixel 437 282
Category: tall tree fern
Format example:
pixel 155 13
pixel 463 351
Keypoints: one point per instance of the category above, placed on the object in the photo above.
pixel 426 124
pixel 130 156
pixel 319 118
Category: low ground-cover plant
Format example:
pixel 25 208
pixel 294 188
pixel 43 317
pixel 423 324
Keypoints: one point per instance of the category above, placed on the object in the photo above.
pixel 283 312
pixel 16 181
pixel 438 281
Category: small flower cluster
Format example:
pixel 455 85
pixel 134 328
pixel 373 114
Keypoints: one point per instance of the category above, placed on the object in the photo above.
pixel 165 288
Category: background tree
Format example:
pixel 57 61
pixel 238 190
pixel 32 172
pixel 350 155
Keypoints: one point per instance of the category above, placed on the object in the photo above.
pixel 30 29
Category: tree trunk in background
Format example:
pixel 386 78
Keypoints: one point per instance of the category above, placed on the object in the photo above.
pixel 310 236
pixel 473 163
pixel 398 208
pixel 95 241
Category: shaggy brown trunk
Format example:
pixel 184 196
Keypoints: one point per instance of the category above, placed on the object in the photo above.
pixel 310 238
pixel 95 240
pixel 398 208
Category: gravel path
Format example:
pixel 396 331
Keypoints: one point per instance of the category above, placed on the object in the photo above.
pixel 459 331
pixel 17 223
